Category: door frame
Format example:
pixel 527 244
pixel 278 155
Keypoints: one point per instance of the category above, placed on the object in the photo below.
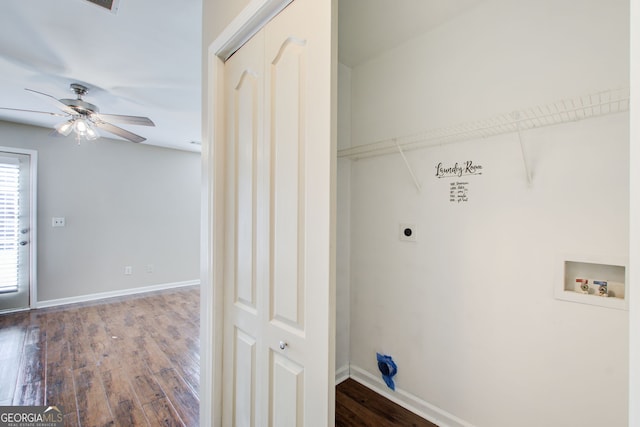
pixel 634 222
pixel 250 20
pixel 33 221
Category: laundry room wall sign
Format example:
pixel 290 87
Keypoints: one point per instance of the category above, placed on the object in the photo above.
pixel 458 190
pixel 458 169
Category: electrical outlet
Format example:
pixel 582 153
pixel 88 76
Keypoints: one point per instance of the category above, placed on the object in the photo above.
pixel 150 268
pixel 58 222
pixel 408 232
pixel 128 270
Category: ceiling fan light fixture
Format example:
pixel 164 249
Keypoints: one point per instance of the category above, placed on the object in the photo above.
pixel 80 126
pixel 65 128
pixel 84 128
pixel 92 133
pixel 85 119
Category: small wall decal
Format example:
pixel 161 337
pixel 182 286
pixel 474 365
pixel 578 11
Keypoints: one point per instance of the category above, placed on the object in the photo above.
pixel 388 369
pixel 458 192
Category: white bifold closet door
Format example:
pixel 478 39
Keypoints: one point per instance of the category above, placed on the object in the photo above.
pixel 279 329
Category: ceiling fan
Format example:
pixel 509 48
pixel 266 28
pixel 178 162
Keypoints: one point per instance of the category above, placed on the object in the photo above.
pixel 84 118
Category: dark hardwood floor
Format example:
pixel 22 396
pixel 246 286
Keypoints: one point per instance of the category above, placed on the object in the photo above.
pixel 134 361
pixel 131 361
pixel 358 406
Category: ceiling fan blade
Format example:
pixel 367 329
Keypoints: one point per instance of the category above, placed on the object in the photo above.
pixel 132 120
pixel 55 102
pixel 56 134
pixel 34 111
pixel 120 132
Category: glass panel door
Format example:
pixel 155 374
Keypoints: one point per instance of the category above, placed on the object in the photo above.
pixel 15 231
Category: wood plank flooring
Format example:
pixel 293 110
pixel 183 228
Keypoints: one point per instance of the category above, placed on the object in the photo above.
pixel 358 406
pixel 134 361
pixel 131 361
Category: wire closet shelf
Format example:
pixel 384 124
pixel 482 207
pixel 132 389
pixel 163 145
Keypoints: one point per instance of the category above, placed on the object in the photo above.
pixel 567 110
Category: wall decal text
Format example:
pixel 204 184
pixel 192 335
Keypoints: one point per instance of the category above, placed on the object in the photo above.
pixel 459 192
pixel 458 170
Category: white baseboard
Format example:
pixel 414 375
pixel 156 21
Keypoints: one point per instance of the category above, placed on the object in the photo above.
pixel 407 400
pixel 111 294
pixel 342 374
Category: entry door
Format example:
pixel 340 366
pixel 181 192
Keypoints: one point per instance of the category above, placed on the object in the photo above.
pixel 279 329
pixel 15 231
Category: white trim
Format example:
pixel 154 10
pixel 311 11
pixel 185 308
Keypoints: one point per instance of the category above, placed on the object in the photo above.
pixel 634 219
pixel 342 374
pixel 212 248
pixel 33 233
pixel 33 222
pixel 252 18
pixel 15 310
pixel 407 400
pixel 111 294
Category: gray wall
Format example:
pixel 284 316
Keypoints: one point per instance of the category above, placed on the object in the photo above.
pixel 125 205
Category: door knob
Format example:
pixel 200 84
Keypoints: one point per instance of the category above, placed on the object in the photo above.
pixel 283 345
pixel 23 243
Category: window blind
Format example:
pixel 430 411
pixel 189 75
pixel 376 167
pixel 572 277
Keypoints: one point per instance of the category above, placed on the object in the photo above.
pixel 9 226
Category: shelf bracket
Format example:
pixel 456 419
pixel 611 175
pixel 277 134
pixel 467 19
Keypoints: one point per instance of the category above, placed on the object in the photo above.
pixel 516 117
pixel 406 162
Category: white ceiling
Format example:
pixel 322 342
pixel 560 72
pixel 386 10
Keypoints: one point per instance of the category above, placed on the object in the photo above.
pixel 369 27
pixel 145 59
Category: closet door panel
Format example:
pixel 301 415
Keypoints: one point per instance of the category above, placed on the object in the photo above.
pixel 243 306
pixel 245 122
pixel 300 332
pixel 287 392
pixel 288 141
pixel 245 380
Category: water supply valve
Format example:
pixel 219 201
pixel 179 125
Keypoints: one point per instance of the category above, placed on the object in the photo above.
pixel 584 285
pixel 602 288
